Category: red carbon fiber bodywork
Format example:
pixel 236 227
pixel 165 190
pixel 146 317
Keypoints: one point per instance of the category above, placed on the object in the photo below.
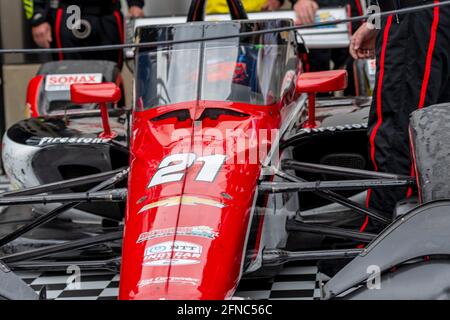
pixel 33 93
pixel 197 267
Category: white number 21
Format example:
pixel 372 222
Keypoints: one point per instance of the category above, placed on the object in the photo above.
pixel 172 168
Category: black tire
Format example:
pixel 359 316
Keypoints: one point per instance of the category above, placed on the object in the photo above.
pixel 430 146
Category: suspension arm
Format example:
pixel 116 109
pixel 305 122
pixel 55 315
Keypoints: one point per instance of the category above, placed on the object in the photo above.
pixel 341 171
pixel 61 248
pixel 60 210
pixel 65 184
pixel 101 196
pixel 335 197
pixel 112 265
pixel 279 257
pixel 283 187
pixel 297 226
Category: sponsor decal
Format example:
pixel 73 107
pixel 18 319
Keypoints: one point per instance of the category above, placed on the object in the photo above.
pixel 337 128
pixel 160 280
pixel 182 200
pixel 176 246
pixel 166 259
pixel 67 140
pixel 197 231
pixel 62 82
pixel 175 253
pixel 172 168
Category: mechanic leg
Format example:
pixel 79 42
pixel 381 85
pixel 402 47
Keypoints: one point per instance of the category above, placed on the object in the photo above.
pixel 112 27
pixel 388 120
pixel 407 56
pixel 67 38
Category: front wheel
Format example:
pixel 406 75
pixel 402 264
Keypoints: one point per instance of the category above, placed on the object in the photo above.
pixel 430 146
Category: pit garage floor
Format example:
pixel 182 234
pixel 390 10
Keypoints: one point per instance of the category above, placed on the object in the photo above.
pixel 295 282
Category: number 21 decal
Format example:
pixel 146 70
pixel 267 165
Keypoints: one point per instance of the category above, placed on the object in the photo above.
pixel 172 168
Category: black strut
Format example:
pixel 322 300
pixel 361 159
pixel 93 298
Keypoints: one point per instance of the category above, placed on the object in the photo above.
pixel 335 197
pixel 341 171
pixel 196 11
pixel 58 211
pixel 61 248
pixel 66 184
pixel 112 265
pixel 237 10
pixel 297 226
pixel 279 257
pixel 343 185
pixel 100 196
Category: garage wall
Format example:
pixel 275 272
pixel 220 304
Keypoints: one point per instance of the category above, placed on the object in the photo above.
pixel 16 78
pixel 11 20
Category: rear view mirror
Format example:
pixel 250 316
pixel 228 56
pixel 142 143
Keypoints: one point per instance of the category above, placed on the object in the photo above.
pixel 323 81
pixel 101 93
pixel 320 82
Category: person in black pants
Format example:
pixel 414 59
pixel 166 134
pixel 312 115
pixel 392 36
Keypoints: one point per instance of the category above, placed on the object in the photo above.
pixel 413 72
pixel 55 24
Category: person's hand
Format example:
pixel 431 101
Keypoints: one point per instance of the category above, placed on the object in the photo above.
pixel 271 5
pixel 362 45
pixel 42 35
pixel 135 12
pixel 306 11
